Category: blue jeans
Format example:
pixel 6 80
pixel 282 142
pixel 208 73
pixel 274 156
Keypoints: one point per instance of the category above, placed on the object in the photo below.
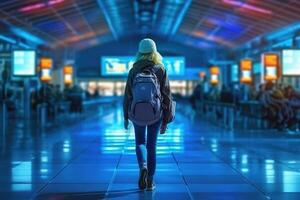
pixel 141 147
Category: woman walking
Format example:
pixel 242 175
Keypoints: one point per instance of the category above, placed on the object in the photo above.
pixel 148 104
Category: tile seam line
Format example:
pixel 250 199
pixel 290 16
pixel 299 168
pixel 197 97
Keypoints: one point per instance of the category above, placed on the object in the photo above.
pixel 71 160
pixel 75 123
pixel 116 168
pixel 33 196
pixel 60 171
pixel 244 177
pixel 112 178
pixel 183 178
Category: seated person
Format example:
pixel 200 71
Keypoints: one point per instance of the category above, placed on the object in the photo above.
pixel 278 110
pixel 292 96
pixel 285 113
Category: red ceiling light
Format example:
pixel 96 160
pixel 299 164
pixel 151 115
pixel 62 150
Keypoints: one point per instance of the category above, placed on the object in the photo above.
pixel 32 7
pixel 53 2
pixel 37 6
pixel 247 6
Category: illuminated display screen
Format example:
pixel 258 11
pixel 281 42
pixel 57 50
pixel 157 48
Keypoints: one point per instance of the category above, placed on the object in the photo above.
pixel 116 66
pixel 120 66
pixel 24 62
pixel 46 73
pixel 246 74
pixel 246 64
pixel 174 65
pixel 291 62
pixel 214 78
pixel 46 63
pixel 235 73
pixel 271 60
pixel 271 71
pixel 68 77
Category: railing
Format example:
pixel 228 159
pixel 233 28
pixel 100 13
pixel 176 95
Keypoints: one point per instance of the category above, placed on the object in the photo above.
pixel 249 115
pixel 222 114
pixel 3 116
pixel 253 115
pixel 89 108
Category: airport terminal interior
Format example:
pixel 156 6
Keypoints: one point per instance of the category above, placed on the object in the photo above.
pixel 234 72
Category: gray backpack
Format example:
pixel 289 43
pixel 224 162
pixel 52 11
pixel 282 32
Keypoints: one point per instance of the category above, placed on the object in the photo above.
pixel 145 107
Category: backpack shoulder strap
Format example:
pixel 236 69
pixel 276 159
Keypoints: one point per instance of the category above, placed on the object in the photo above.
pixel 151 68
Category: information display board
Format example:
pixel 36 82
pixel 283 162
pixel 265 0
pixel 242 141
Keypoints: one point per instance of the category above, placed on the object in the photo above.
pixel 271 66
pixel 214 75
pixel 24 63
pixel 45 67
pixel 291 62
pixel 68 75
pixel 175 66
pixel 246 66
pixel 116 66
pixel 120 65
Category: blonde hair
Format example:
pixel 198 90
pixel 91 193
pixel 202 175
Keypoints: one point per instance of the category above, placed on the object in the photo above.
pixel 153 56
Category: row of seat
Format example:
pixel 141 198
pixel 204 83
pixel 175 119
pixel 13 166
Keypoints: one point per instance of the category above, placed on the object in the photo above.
pixel 246 115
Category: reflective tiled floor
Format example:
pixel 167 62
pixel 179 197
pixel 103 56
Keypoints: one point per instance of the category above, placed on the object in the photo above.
pixel 94 159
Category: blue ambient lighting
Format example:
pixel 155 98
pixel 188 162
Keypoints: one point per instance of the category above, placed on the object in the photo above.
pixel 27 36
pixel 120 65
pixel 7 39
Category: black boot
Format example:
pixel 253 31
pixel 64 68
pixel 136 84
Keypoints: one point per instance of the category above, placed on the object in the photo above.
pixel 143 178
pixel 150 185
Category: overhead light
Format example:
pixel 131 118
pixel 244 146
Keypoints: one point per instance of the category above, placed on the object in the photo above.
pixel 7 39
pixel 147 1
pixel 24 45
pixel 32 7
pixel 145 18
pixel 146 13
pixel 53 2
pixel 180 16
pixel 37 6
pixel 247 6
pixel 28 36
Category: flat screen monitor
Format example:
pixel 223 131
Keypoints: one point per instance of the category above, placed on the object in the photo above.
pixel 175 66
pixel 46 73
pixel 291 62
pixel 24 63
pixel 246 74
pixel 68 77
pixel 271 71
pixel 214 78
pixel 116 66
pixel 120 65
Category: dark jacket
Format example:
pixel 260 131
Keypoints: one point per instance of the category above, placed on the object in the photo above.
pixel 164 87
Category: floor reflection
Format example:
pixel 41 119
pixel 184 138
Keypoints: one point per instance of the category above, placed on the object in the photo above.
pixel 116 140
pixel 94 158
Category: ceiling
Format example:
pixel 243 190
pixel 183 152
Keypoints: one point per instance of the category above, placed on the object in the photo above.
pixel 235 22
pixel 200 23
pixel 57 22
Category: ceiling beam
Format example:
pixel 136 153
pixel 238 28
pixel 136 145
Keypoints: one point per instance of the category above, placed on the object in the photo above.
pixel 68 25
pixel 180 17
pixel 83 17
pixel 27 26
pixel 109 22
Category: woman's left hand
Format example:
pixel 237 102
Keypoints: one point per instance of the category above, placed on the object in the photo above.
pixel 126 124
pixel 163 128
